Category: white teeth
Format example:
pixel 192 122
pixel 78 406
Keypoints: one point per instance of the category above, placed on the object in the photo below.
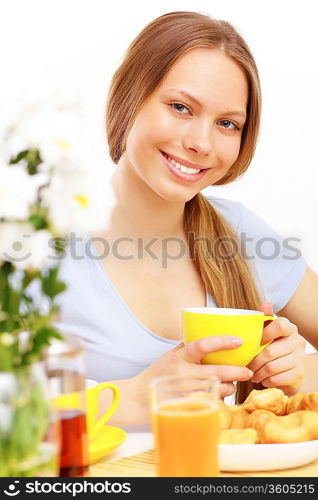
pixel 188 170
pixel 183 168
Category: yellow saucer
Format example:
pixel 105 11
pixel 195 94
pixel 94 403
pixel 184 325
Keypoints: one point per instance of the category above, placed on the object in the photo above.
pixel 104 441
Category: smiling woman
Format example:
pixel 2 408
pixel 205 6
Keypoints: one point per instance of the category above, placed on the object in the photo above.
pixel 183 113
pixel 183 132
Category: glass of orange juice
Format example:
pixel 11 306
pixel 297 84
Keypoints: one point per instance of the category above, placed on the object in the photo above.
pixel 185 424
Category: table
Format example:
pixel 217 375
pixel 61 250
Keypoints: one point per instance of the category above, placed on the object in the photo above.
pixel 125 462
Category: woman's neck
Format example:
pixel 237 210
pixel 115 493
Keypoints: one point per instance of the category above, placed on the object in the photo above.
pixel 140 212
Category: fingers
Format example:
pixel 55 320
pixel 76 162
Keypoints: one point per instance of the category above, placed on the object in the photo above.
pixel 290 378
pixel 226 389
pixel 279 365
pixel 227 373
pixel 195 351
pixel 178 347
pixel 278 349
pixel 280 327
pixel 267 308
pixel 289 390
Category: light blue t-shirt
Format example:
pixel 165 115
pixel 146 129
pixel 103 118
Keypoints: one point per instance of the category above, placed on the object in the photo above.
pixel 118 345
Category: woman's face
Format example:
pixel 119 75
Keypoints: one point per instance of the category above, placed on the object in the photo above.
pixel 193 120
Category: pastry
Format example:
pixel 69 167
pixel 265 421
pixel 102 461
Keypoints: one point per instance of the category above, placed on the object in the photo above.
pixel 238 436
pixel 267 399
pixel 268 416
pixel 303 401
pixel 232 416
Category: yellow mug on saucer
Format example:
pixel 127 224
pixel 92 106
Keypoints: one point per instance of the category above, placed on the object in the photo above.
pixel 198 322
pixel 92 395
pixel 74 401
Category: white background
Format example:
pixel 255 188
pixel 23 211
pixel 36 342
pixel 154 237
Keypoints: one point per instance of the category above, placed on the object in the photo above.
pixel 76 45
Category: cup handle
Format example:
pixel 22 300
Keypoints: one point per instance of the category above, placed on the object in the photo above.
pixel 261 347
pixel 116 396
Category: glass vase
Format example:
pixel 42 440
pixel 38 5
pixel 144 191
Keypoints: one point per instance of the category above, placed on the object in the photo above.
pixel 29 429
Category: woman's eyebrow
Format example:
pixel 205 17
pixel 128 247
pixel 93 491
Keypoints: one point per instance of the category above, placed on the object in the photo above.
pixel 186 94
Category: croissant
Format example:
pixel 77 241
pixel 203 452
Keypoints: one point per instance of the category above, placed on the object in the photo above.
pixel 296 427
pixel 239 416
pixel 232 417
pixel 268 416
pixel 257 419
pixel 238 436
pixel 225 416
pixel 310 420
pixel 267 399
pixel 302 401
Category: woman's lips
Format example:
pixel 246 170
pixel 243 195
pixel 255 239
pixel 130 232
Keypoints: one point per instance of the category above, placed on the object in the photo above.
pixel 182 175
pixel 186 163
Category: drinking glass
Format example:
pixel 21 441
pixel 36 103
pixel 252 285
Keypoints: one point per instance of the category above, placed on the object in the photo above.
pixel 66 371
pixel 185 423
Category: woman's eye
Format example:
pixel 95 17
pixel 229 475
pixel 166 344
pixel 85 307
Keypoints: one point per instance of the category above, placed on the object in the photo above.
pixel 182 109
pixel 179 107
pixel 229 125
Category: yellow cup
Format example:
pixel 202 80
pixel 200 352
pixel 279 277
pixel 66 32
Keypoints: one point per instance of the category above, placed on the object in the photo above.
pixel 201 322
pixel 92 395
pixel 74 401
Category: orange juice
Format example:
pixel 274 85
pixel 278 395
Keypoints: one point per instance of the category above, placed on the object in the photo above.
pixel 186 438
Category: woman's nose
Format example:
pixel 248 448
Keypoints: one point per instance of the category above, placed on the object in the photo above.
pixel 198 138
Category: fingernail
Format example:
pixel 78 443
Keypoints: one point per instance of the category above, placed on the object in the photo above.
pixel 237 341
pixel 250 372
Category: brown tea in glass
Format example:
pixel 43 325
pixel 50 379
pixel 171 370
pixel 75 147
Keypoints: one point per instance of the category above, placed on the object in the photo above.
pixel 66 371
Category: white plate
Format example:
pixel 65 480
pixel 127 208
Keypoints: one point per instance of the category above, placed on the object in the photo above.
pixel 261 457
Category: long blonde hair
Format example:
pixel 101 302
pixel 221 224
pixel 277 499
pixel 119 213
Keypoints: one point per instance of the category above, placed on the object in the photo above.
pixel 148 59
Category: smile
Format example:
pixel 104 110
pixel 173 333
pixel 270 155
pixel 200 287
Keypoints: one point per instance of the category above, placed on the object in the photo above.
pixel 182 171
pixel 183 168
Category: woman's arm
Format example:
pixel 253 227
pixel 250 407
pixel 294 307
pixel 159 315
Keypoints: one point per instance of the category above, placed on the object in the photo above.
pixel 310 381
pixel 284 363
pixel 302 309
pixel 134 409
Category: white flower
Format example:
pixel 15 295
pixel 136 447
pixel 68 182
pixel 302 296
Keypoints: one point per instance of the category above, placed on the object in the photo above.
pixel 18 190
pixel 78 201
pixel 58 126
pixel 24 247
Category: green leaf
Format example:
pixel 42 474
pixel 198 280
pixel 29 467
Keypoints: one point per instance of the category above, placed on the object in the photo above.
pixel 59 245
pixel 19 157
pixel 38 221
pixel 51 286
pixel 32 157
pixel 12 322
pixel 41 339
pixel 28 277
pixel 7 268
pixel 10 304
pixel 7 355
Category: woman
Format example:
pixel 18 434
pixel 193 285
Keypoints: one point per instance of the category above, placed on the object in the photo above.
pixel 183 113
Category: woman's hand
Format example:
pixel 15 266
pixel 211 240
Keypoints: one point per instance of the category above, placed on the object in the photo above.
pixel 282 363
pixel 182 360
pixel 186 359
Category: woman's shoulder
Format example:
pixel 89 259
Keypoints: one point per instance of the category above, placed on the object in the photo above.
pixel 231 210
pixel 276 261
pixel 242 218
